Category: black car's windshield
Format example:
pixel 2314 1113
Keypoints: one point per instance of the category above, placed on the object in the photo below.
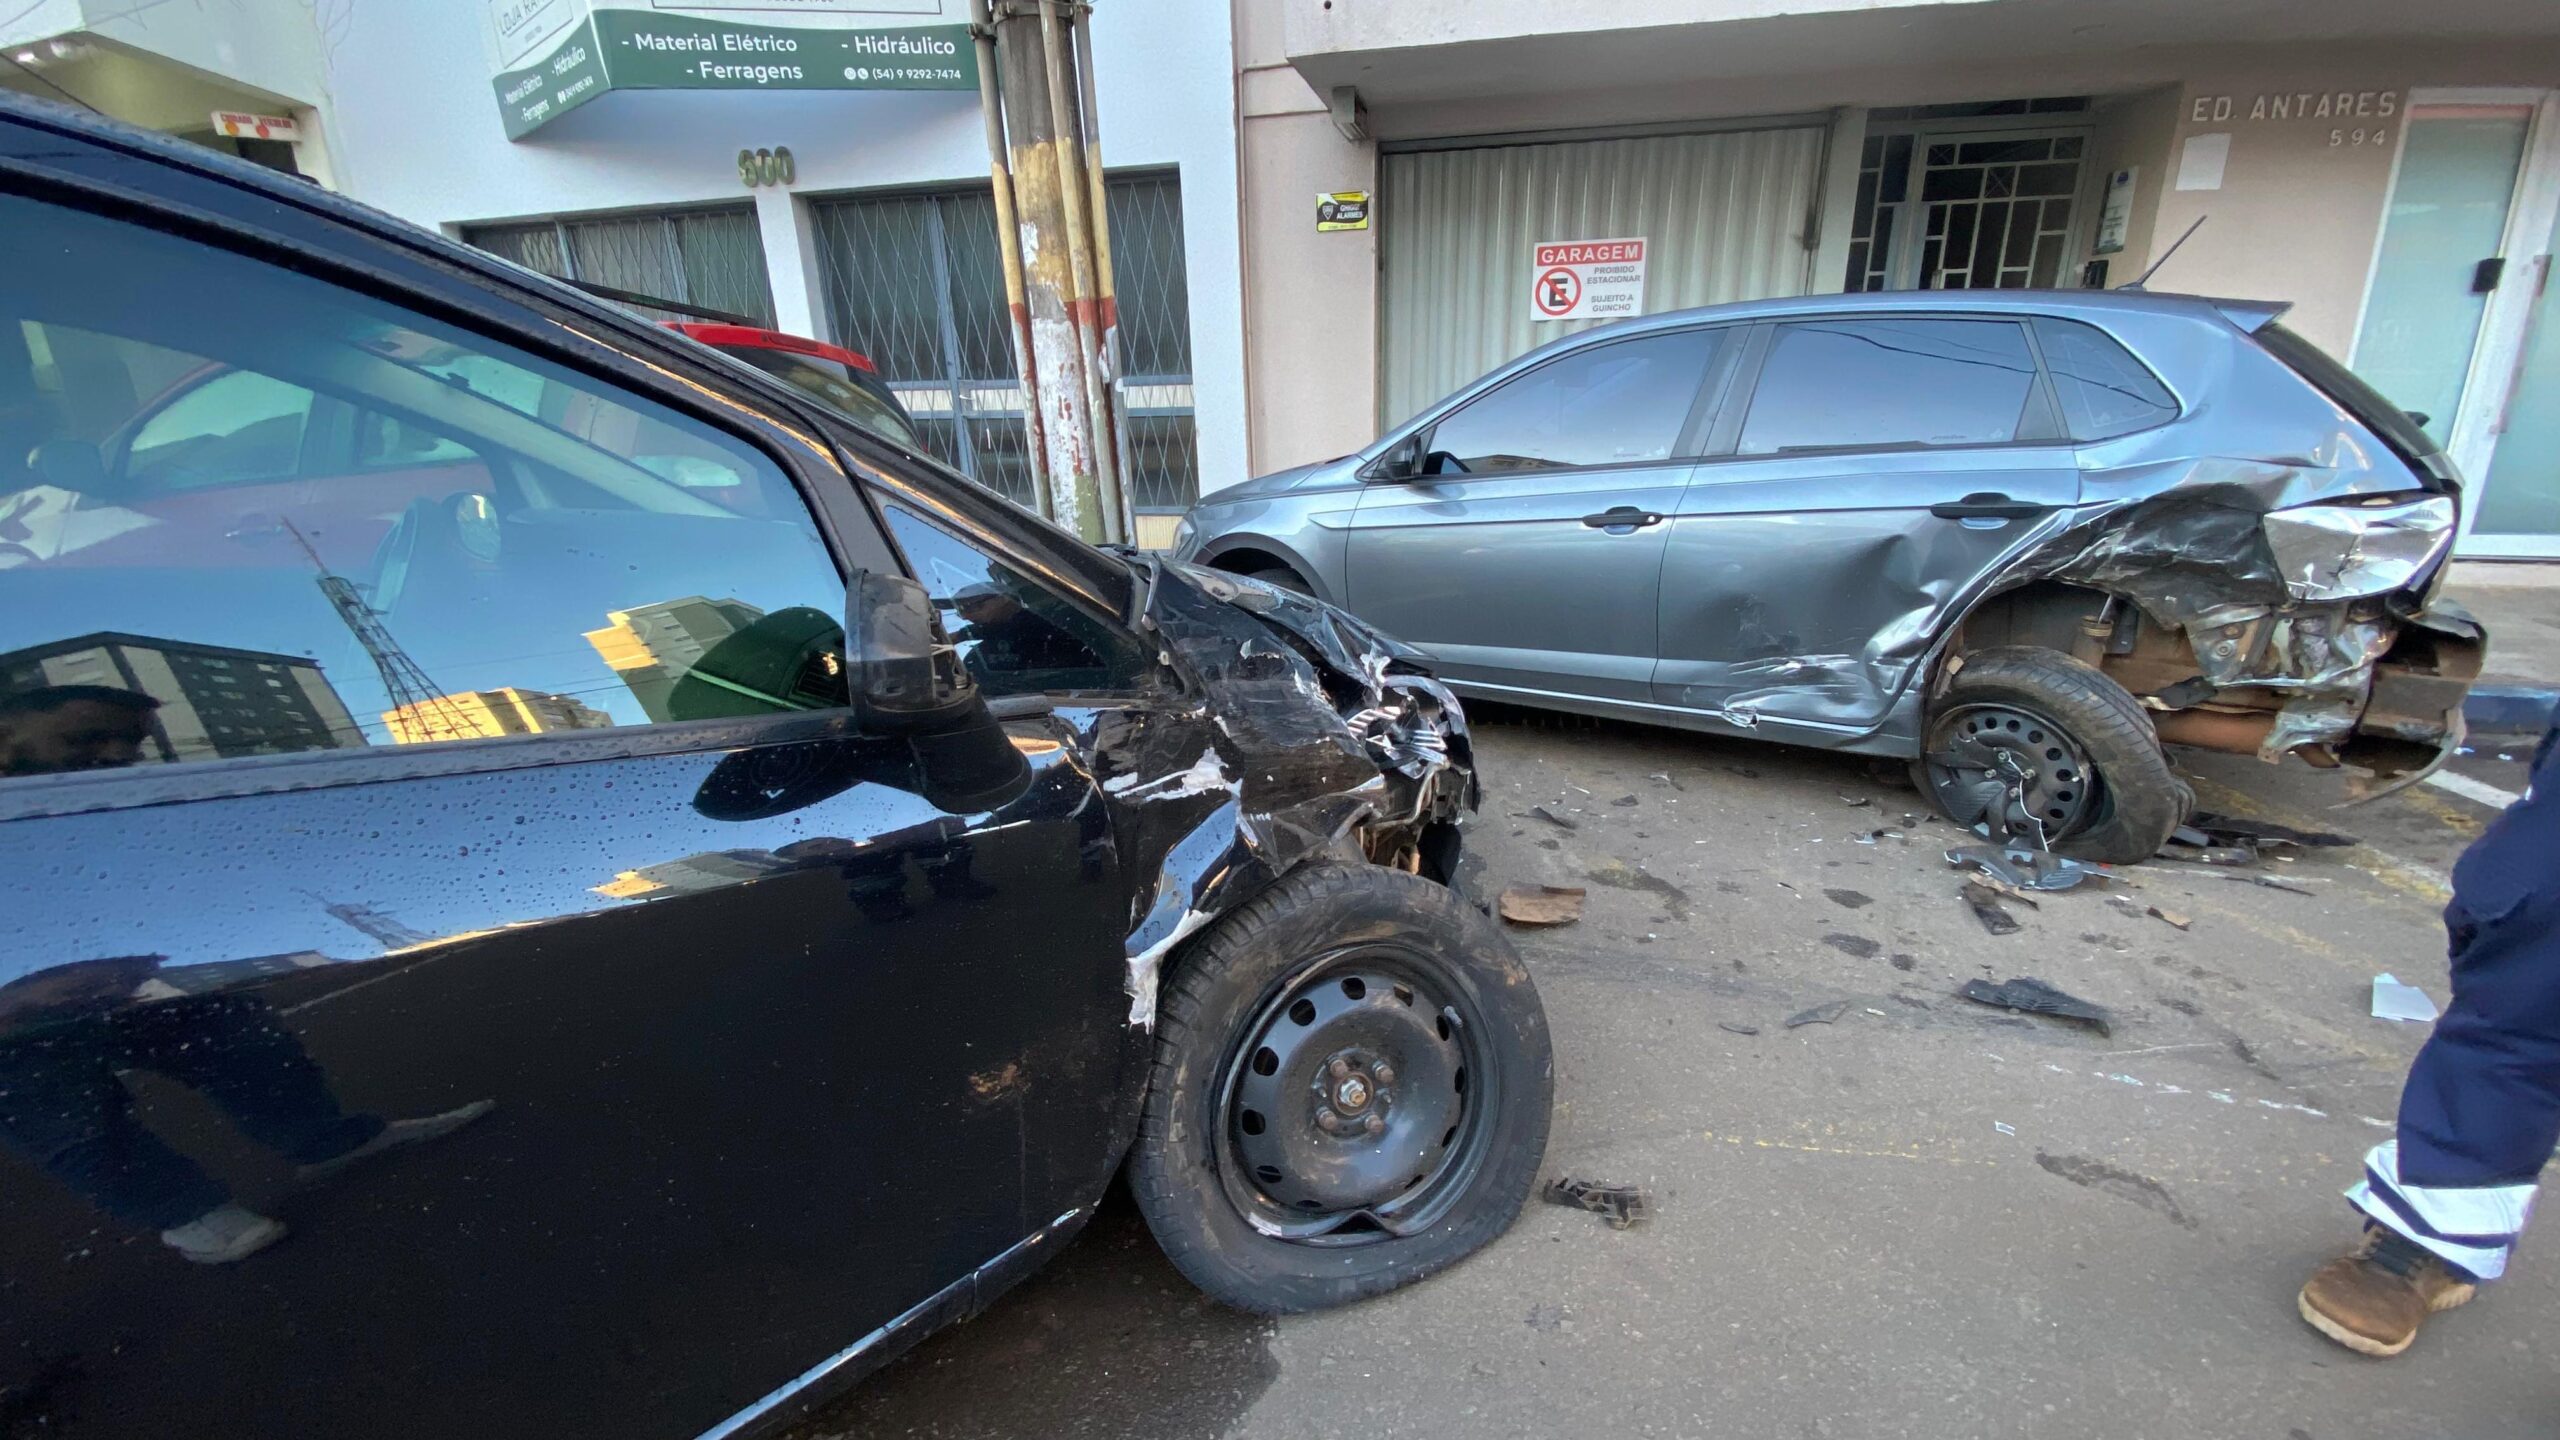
pixel 2397 427
pixel 859 397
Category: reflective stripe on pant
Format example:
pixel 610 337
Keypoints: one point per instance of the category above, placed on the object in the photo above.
pixel 2481 1109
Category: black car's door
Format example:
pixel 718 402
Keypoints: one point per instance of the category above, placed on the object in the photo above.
pixel 1874 472
pixel 737 1032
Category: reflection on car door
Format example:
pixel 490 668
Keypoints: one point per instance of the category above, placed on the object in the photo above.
pixel 1879 468
pixel 739 1032
pixel 1529 556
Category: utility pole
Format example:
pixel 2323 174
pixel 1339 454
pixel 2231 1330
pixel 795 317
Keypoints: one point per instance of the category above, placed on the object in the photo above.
pixel 1035 82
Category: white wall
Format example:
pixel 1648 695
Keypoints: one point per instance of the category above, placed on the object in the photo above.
pixel 415 131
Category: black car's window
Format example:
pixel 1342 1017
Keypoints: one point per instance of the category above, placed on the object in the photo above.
pixel 1615 404
pixel 245 512
pixel 2104 391
pixel 1016 637
pixel 1830 384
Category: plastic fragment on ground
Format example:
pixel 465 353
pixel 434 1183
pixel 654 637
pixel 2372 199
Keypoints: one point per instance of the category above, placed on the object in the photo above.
pixel 1986 906
pixel 1541 904
pixel 1819 1014
pixel 2035 997
pixel 1623 1206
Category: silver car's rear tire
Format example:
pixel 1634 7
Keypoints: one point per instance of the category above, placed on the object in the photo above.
pixel 2049 746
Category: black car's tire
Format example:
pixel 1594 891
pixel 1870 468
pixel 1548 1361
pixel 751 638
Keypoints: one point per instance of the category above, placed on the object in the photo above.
pixel 1392 958
pixel 2096 726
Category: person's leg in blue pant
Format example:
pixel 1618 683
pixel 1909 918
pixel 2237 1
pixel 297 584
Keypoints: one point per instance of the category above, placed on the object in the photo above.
pixel 2446 1199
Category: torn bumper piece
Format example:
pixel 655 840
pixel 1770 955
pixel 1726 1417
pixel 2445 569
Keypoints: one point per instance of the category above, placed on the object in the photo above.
pixel 1314 736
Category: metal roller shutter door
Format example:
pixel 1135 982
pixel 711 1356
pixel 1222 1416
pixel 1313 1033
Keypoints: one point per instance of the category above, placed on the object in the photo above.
pixel 1724 215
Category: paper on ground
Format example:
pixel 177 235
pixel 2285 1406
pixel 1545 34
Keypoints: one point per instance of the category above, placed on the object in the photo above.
pixel 2395 1001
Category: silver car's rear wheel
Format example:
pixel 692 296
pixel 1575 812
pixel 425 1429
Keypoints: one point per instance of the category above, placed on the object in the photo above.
pixel 2010 772
pixel 2031 746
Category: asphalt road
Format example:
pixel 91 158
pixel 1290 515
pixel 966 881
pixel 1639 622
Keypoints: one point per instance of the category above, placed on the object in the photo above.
pixel 1922 1219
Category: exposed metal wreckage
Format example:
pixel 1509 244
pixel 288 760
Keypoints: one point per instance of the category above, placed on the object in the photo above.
pixel 2248 614
pixel 2251 607
pixel 1317 737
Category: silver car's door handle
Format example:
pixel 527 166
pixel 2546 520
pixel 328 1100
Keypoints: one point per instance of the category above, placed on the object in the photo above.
pixel 1987 505
pixel 1622 519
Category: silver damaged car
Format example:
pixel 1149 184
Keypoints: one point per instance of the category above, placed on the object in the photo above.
pixel 2021 538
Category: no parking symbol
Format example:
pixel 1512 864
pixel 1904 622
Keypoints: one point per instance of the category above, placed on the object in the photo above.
pixel 1587 280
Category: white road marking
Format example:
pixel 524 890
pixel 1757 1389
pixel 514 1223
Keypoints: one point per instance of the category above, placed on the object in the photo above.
pixel 2477 791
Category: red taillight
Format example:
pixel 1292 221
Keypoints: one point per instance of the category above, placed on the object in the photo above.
pixel 749 337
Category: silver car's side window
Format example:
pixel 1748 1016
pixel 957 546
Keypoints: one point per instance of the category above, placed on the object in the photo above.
pixel 2104 390
pixel 1619 404
pixel 1870 383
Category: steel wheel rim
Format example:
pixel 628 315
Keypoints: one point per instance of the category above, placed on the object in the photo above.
pixel 2005 770
pixel 1400 1152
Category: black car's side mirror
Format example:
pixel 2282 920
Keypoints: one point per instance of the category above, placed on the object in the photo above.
pixel 906 674
pixel 908 680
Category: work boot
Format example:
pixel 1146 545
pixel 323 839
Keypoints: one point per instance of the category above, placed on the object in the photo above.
pixel 222 1235
pixel 2373 1298
pixel 395 1135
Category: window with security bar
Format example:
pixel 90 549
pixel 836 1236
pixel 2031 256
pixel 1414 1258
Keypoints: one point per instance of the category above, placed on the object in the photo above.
pixel 713 258
pixel 1981 210
pixel 915 281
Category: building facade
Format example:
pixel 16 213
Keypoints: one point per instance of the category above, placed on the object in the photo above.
pixel 2391 170
pixel 209 701
pixel 1327 213
pixel 485 714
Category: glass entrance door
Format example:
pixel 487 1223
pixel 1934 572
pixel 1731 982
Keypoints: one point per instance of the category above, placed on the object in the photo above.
pixel 2451 326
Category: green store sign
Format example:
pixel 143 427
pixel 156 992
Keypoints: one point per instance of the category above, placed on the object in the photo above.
pixel 619 49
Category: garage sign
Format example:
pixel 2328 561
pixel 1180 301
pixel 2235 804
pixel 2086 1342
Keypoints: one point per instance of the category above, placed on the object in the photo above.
pixel 1586 280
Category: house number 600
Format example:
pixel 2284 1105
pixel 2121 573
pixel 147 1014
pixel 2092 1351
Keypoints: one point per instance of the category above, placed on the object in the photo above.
pixel 766 167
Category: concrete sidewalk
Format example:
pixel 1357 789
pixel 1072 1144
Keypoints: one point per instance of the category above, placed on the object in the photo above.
pixel 2519 602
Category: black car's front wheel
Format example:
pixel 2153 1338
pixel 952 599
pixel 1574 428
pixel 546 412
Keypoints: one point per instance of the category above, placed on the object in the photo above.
pixel 2033 746
pixel 1351 1092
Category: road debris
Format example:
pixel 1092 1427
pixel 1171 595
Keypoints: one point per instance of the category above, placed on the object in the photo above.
pixel 2180 850
pixel 2038 998
pixel 2027 869
pixel 1857 801
pixel 1987 909
pixel 1542 904
pixel 1819 1014
pixel 2224 830
pixel 1623 1206
pixel 2271 883
pixel 2006 891
pixel 1881 832
pixel 2004 1127
pixel 1858 945
pixel 1737 1029
pixel 1624 801
pixel 2395 1000
pixel 1552 818
pixel 1745 771
pixel 2135 907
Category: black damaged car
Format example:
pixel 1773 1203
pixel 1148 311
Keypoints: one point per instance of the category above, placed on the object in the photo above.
pixel 554 887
